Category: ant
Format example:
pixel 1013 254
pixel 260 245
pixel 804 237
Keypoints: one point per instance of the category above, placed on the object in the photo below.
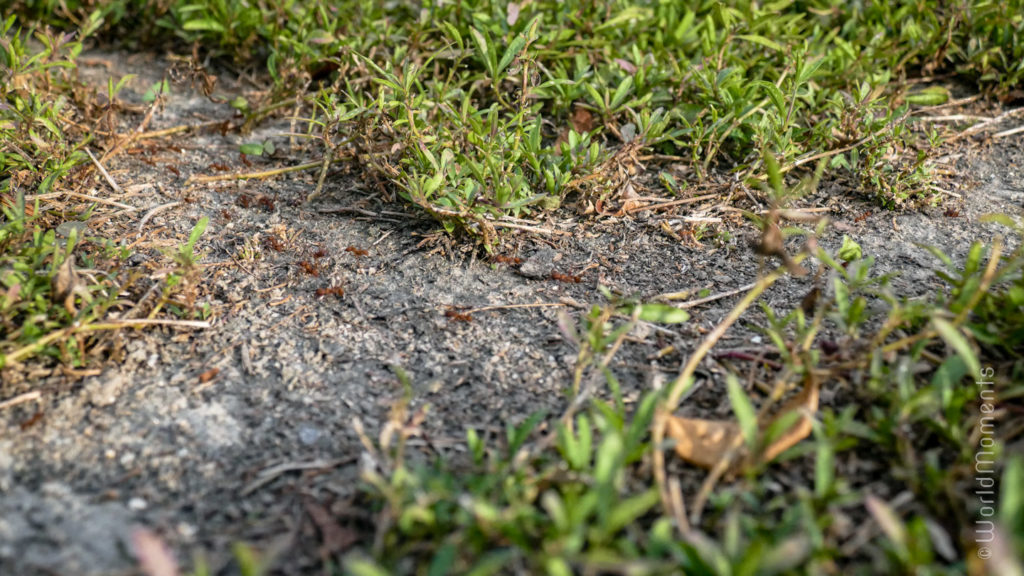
pixel 456 316
pixel 569 278
pixel 337 291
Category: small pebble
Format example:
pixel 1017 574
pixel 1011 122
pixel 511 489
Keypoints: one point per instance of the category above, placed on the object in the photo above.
pixel 308 435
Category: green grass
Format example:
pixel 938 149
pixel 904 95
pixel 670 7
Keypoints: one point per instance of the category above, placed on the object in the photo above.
pixel 464 107
pixel 476 112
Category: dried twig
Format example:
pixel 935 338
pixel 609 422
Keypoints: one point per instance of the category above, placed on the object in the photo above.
pixel 512 306
pixel 953 118
pixel 671 203
pixel 103 171
pixel 269 474
pixel 706 299
pixel 1009 132
pixel 252 175
pixel 151 213
pixel 20 399
pixel 534 229
pixel 81 196
pixel 982 126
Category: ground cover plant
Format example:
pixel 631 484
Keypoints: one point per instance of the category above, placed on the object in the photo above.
pixel 487 116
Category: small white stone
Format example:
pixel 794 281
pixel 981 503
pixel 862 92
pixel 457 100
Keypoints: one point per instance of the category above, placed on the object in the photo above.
pixel 186 530
pixel 104 390
pixel 137 504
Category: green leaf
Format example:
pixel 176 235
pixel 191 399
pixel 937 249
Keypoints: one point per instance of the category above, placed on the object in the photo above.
pixel 517 435
pixel 514 47
pixel 850 250
pixel 249 563
pixel 1011 501
pixel 486 53
pixel 744 410
pixel 622 92
pixel 197 232
pixel 663 313
pixel 609 460
pixel 756 39
pixel 252 149
pixel 362 566
pixel 557 567
pixel 629 510
pixel 453 33
pixel 492 563
pixel 947 377
pixel 931 96
pixel 774 174
pixel 444 561
pixel 157 89
pixel 824 466
pixel 204 25
pixel 956 340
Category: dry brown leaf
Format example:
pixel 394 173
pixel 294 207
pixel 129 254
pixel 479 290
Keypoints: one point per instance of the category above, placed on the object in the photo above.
pixel 706 443
pixel 630 200
pixel 701 442
pixel 582 120
pixel 335 537
pixel 67 284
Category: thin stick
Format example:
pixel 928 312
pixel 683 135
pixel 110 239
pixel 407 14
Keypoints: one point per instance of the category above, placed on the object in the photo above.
pixel 512 307
pixel 102 201
pixel 678 505
pixel 252 175
pixel 986 124
pixel 269 474
pixel 175 130
pixel 949 104
pixel 934 188
pixel 115 324
pixel 673 203
pixel 20 399
pixel 1009 132
pixel 104 172
pixel 142 223
pixel 713 297
pixel 953 118
pixel 348 210
pixel 324 165
pixel 534 229
pixel 48 195
pixel 793 215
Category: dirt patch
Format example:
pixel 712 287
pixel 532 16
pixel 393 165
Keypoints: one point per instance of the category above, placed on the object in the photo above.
pixel 231 433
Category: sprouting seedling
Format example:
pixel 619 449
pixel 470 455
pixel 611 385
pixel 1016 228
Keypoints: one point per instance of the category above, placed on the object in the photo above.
pixel 186 256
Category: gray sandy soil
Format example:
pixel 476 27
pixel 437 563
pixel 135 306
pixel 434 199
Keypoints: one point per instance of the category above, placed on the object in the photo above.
pixel 236 432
